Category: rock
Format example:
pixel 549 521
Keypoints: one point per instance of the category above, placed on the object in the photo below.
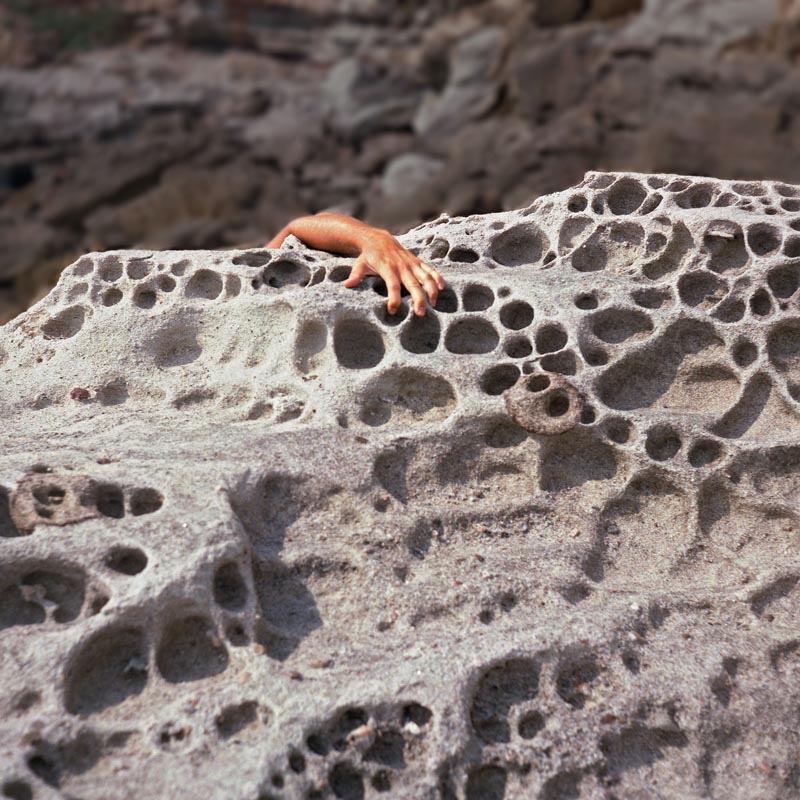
pixel 364 99
pixel 472 88
pixel 405 175
pixel 259 536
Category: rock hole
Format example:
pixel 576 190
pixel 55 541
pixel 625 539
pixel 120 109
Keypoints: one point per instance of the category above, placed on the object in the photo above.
pixel 651 298
pixel 111 297
pixel 586 302
pixel 17 790
pixel 297 762
pixel 626 196
pixel 698 196
pixel 724 242
pixel 110 501
pixel 557 404
pixel 618 430
pixel 516 315
pixel 577 203
pixel 358 344
pixel 236 634
pixel 463 255
pixel 438 248
pixel 530 724
pixel 392 320
pixel 538 383
pixel 616 325
pixel 471 336
pixel 66 324
pixel 588 415
pixel 784 281
pixel 744 353
pixel 339 274
pixel 662 443
pixel 550 338
pixel 418 714
pixel 499 378
pixel 190 650
pixel 110 667
pixel 731 310
pixel 704 452
pixel 144 298
pixel 317 744
pixel 701 289
pixel 138 269
pixel 286 273
pixel 145 501
pixel 234 719
pixel 499 689
pixel 760 304
pixel 346 782
pixel 110 269
pixel 792 247
pixel 574 679
pixel 311 341
pixel 518 347
pixel 205 284
pixel 486 783
pixel 420 335
pixel 563 363
pixel 179 268
pixel 763 239
pixel 477 298
pixel 520 245
pixel 447 301
pixel 230 591
pixel 253 258
pixel 126 560
pixel 165 283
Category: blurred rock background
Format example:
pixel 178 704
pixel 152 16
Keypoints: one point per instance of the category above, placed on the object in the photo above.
pixel 211 123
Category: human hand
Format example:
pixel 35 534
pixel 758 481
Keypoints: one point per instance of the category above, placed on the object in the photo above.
pixel 382 255
pixel 378 253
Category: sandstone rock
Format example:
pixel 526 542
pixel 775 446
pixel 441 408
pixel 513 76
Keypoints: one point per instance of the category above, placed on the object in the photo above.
pixel 259 538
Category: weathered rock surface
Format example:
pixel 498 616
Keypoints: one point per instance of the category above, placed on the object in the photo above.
pixel 260 540
pixel 210 124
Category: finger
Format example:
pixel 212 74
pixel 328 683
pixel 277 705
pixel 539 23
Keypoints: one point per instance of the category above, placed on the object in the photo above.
pixel 392 282
pixel 357 274
pixel 428 283
pixel 417 295
pixel 434 274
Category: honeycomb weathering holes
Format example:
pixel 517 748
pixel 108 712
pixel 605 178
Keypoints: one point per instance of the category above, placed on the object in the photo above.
pixel 544 403
pixel 524 244
pixel 406 396
pixel 471 336
pixel 110 667
pixel 358 344
pixel 205 284
pixel 190 650
pixel 626 196
pixel 65 324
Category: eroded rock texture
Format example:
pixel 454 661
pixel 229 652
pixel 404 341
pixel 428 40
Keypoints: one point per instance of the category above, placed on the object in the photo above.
pixel 261 540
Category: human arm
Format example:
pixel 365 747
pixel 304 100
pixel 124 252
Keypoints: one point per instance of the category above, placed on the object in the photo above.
pixel 377 252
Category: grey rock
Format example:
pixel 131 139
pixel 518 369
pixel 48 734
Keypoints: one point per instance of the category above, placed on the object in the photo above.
pixel 259 537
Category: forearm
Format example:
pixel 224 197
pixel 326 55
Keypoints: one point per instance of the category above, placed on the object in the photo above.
pixel 334 233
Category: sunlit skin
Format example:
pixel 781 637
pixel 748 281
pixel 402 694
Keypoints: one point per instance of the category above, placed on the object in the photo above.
pixel 377 252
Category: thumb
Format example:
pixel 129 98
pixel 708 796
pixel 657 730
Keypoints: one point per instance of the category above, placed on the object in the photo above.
pixel 357 274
